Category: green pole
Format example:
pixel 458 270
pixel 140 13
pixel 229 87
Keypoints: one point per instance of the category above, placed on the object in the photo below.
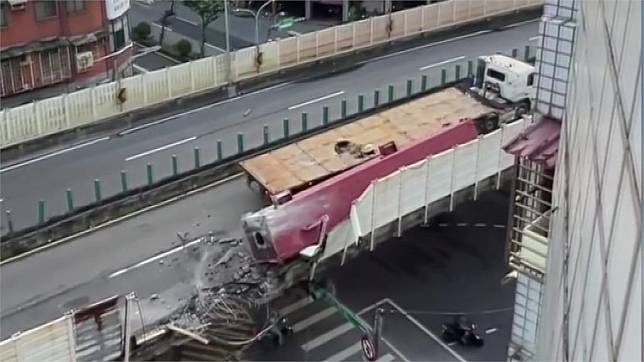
pixel 266 137
pixel 123 181
pixel 220 150
pixel 285 127
pixel 360 103
pixel 150 174
pixel 423 83
pixel 70 200
pixel 515 53
pixel 470 68
pixel 325 115
pixel 175 165
pixel 343 109
pixel 410 85
pixel 195 153
pixel 9 221
pixel 347 313
pixel 443 76
pixel 305 121
pixel 376 98
pixel 41 211
pixel 97 189
pixel 390 93
pixel 526 53
pixel 457 71
pixel 240 142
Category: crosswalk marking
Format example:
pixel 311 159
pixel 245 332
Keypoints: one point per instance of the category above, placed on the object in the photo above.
pixel 305 323
pixel 295 306
pixel 346 353
pixel 324 338
pixel 386 358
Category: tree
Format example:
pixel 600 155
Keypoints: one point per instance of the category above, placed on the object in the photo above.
pixel 184 48
pixel 209 11
pixel 141 32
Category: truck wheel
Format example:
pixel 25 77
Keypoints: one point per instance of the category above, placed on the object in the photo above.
pixel 490 124
pixel 522 108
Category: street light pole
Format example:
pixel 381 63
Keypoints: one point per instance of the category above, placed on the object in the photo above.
pixel 257 20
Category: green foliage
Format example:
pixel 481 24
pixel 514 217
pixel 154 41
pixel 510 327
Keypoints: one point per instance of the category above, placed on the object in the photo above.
pixel 183 48
pixel 208 10
pixel 141 32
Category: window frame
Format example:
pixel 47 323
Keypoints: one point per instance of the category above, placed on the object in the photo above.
pixel 530 80
pixel 47 17
pixel 492 72
pixel 75 4
pixel 4 9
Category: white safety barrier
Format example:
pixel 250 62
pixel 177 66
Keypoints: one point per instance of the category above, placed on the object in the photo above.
pixel 389 199
pixel 67 111
pixel 89 334
pixel 53 342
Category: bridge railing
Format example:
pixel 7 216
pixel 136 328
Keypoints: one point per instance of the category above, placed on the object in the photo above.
pixel 388 200
pixel 83 107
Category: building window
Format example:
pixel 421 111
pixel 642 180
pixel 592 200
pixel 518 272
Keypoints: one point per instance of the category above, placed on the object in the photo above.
pixel 74 5
pixel 120 34
pixel 4 15
pixel 46 9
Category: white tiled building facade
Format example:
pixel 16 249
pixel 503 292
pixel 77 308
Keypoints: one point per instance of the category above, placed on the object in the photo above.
pixel 588 306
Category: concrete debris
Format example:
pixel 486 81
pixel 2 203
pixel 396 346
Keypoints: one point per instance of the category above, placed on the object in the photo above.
pixel 154 296
pixel 161 261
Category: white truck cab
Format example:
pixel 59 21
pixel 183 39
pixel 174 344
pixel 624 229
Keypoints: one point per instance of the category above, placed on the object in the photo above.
pixel 507 80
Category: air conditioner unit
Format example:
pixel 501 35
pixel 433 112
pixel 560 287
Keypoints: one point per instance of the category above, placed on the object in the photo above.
pixel 17 4
pixel 84 61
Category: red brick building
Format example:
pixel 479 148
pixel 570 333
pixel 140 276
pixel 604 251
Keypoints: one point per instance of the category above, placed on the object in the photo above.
pixel 46 42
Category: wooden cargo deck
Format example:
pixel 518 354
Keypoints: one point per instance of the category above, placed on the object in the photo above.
pixel 298 165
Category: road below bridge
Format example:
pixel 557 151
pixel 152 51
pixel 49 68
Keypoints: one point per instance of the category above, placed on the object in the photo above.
pixel 48 176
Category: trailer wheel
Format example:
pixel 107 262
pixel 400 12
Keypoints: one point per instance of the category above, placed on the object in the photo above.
pixel 490 123
pixel 521 109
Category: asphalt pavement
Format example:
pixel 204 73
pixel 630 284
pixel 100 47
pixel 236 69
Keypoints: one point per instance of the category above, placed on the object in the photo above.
pixel 46 177
pixel 452 266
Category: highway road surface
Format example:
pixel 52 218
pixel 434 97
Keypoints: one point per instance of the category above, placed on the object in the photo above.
pixel 47 176
pixel 453 266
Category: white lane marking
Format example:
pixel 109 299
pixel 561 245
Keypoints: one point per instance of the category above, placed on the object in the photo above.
pixel 521 23
pixel 139 155
pixel 305 323
pixel 186 20
pixel 461 37
pixel 59 152
pixel 443 224
pixel 461 224
pixel 453 343
pixel 491 330
pixel 499 226
pixel 296 306
pixel 386 358
pixel 480 224
pixel 215 47
pixel 146 125
pixel 161 26
pixel 315 100
pixel 441 63
pixel 120 219
pixel 426 331
pixel 326 337
pixel 156 257
pixel 536 37
pixel 345 353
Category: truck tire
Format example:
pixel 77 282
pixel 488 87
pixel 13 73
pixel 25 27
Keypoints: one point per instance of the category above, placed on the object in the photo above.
pixel 521 109
pixel 490 123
